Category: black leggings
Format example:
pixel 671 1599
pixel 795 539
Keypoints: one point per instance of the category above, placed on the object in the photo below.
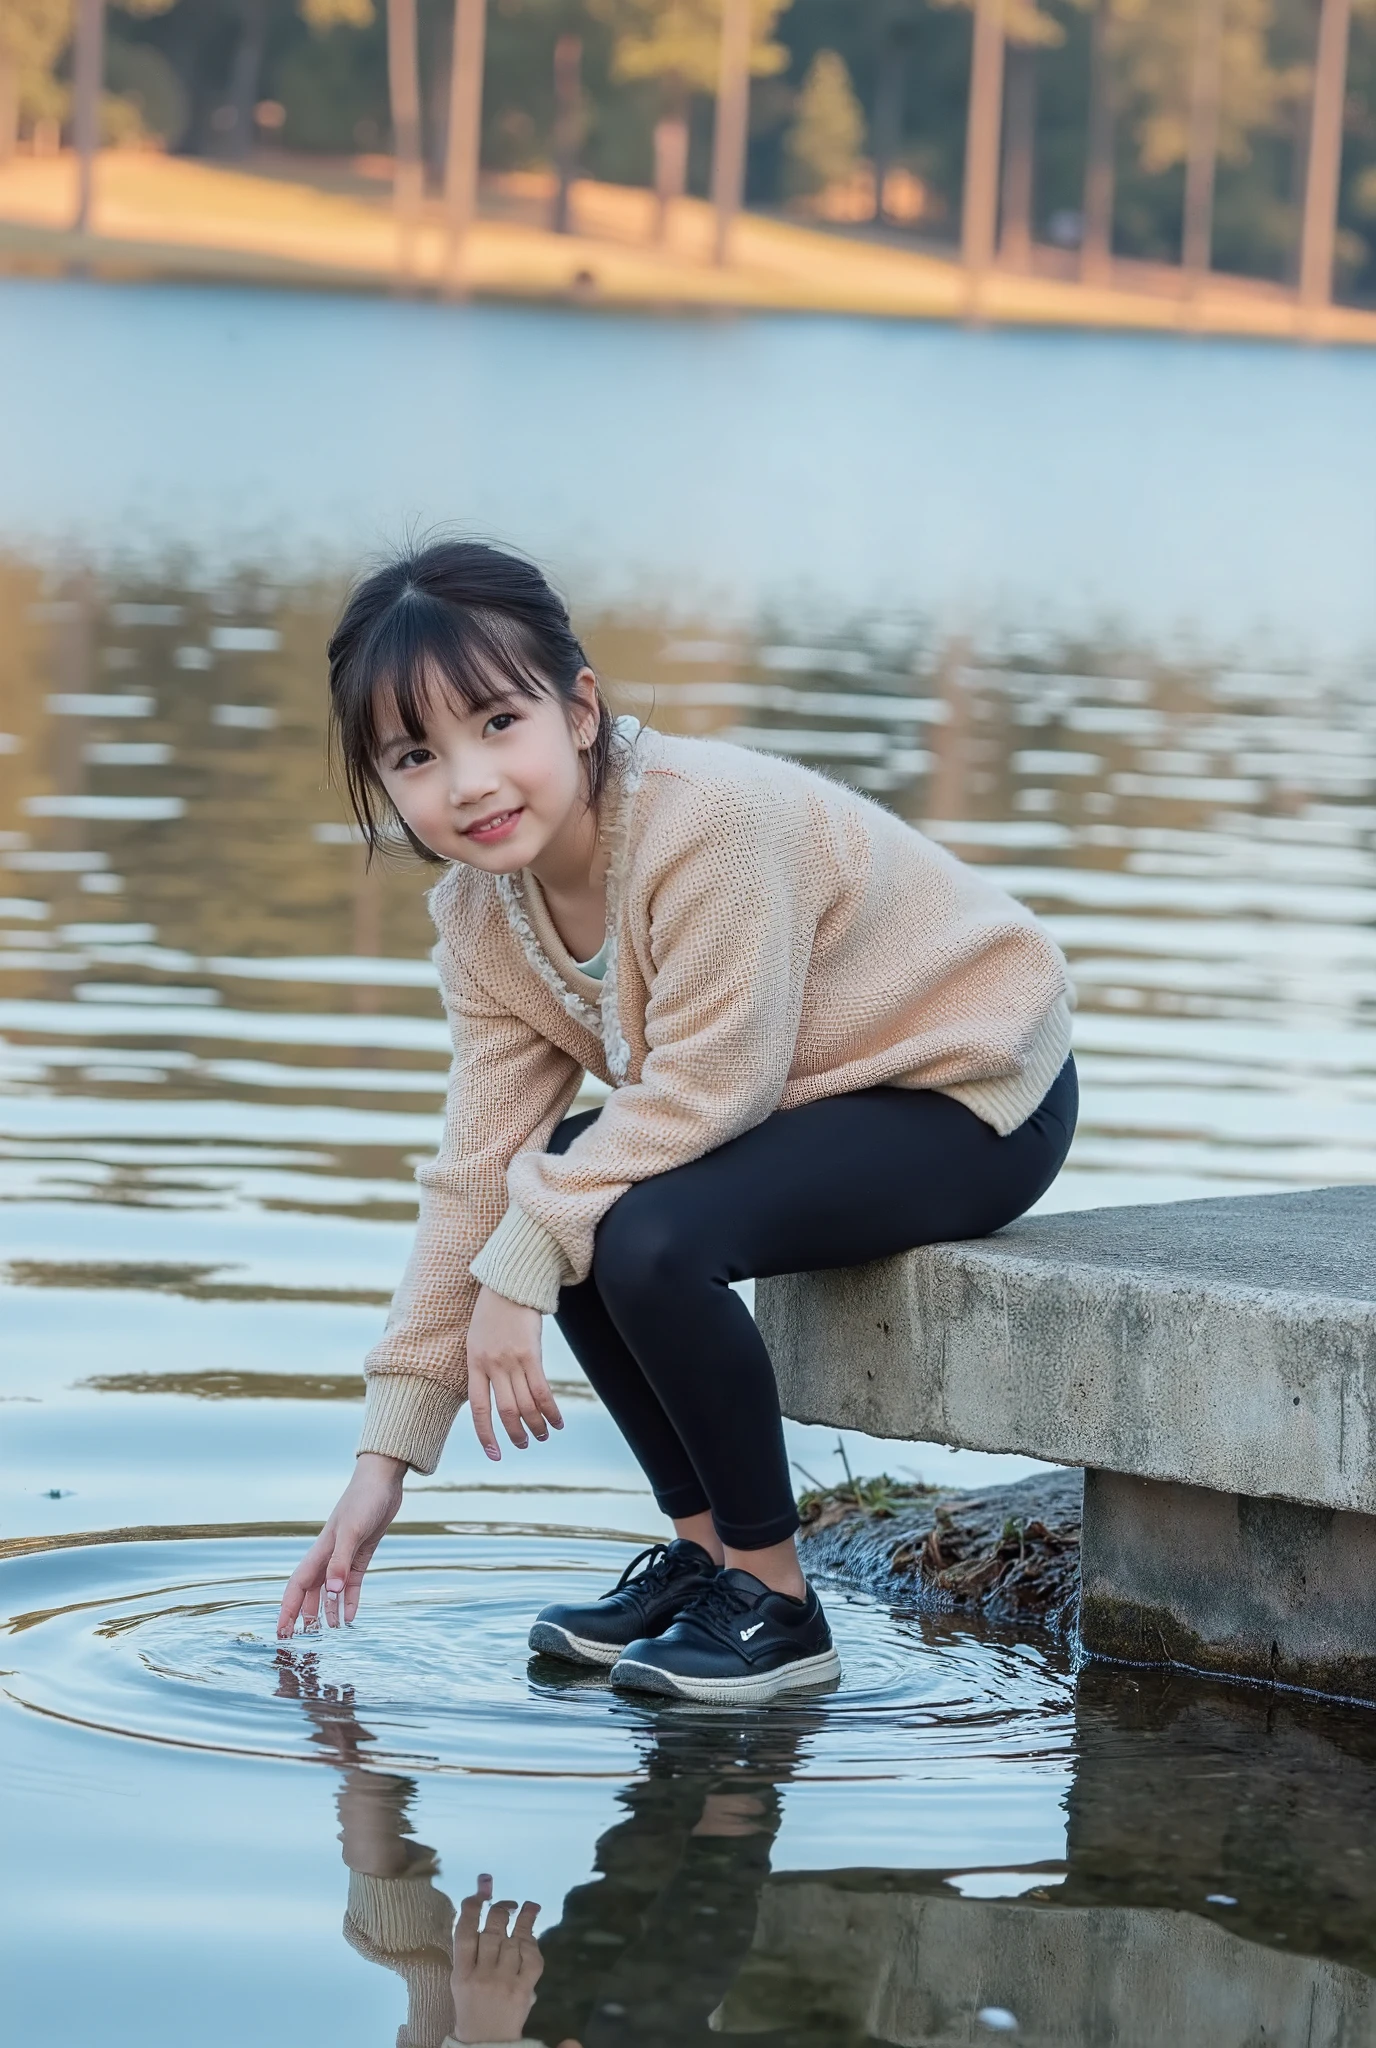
pixel 675 1354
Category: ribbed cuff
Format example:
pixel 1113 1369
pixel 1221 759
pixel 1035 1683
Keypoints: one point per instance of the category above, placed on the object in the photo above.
pixel 400 1916
pixel 523 1262
pixel 408 1416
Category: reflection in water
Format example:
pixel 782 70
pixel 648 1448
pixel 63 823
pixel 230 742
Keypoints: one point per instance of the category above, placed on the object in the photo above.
pixel 645 1952
pixel 1246 1911
pixel 209 1005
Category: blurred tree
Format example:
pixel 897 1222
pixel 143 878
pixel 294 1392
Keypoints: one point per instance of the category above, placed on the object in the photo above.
pixel 678 44
pixel 1096 214
pixel 1199 79
pixel 33 35
pixel 828 133
pixel 1201 157
pixel 403 90
pixel 235 117
pixel 570 121
pixel 1028 31
pixel 88 85
pixel 463 152
pixel 893 27
pixel 996 23
pixel 1323 179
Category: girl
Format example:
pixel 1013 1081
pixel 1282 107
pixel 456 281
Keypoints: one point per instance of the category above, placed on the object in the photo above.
pixel 827 1042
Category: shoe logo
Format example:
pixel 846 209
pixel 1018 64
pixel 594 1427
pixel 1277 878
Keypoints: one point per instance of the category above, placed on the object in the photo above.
pixel 746 1633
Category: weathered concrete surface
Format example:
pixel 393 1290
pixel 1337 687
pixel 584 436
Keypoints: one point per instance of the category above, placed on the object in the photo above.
pixel 1009 1553
pixel 855 1964
pixel 1268 1589
pixel 1228 1344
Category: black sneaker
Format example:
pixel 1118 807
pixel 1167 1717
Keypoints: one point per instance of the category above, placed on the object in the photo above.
pixel 737 1642
pixel 654 1587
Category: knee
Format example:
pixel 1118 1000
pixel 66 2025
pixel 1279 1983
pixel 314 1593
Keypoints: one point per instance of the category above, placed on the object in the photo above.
pixel 643 1252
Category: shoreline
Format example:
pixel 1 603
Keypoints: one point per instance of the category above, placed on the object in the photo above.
pixel 1009 1554
pixel 282 225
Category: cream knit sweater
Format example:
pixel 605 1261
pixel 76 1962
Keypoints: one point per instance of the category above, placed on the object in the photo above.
pixel 772 938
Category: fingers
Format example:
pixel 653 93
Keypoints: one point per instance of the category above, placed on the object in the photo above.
pixel 353 1585
pixel 492 1941
pixel 303 1587
pixel 480 1402
pixel 509 1407
pixel 535 1403
pixel 524 1946
pixel 544 1400
pixel 337 1577
pixel 466 1928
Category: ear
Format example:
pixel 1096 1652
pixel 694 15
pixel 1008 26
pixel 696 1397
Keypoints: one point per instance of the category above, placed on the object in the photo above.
pixel 585 711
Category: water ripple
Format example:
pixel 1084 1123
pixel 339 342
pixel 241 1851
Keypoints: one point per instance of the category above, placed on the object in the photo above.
pixel 172 1641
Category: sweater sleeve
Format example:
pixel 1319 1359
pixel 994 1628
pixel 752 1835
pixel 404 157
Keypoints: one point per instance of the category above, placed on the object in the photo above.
pixel 730 943
pixel 508 1088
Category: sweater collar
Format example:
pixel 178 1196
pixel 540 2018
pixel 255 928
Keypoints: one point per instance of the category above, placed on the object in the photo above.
pixel 595 1005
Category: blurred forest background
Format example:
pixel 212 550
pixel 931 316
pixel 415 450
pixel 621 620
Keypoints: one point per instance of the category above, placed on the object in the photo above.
pixel 858 108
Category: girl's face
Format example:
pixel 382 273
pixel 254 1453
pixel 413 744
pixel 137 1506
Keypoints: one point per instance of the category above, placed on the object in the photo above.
pixel 493 787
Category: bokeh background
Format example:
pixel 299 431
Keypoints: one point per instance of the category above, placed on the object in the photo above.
pixel 979 405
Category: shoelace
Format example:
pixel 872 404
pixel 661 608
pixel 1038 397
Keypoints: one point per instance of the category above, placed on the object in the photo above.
pixel 717 1609
pixel 651 1568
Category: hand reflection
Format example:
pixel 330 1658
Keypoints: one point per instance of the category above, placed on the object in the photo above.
pixel 495 1970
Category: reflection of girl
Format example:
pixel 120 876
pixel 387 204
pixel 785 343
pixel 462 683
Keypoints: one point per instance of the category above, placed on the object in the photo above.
pixel 468 1985
pixel 827 1042
pixel 643 1953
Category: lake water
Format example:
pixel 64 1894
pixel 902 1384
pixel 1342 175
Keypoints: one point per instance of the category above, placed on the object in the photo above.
pixel 1099 613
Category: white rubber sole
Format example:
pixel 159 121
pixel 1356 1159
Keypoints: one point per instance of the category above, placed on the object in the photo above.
pixel 804 1676
pixel 550 1640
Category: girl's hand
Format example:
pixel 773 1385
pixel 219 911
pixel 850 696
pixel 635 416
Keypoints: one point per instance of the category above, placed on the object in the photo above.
pixel 504 1369
pixel 495 1973
pixel 343 1550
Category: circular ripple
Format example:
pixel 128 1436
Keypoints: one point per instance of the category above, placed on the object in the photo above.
pixel 173 1641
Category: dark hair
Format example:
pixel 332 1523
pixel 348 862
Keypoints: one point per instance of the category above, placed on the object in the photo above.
pixel 484 622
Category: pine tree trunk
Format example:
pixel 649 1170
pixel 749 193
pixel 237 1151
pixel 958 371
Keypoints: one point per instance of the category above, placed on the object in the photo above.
pixel 984 126
pixel 403 86
pixel 568 122
pixel 891 81
pixel 1323 183
pixel 671 151
pixel 464 151
pixel 248 69
pixel 1019 159
pixel 733 117
pixel 88 78
pixel 1096 235
pixel 1201 166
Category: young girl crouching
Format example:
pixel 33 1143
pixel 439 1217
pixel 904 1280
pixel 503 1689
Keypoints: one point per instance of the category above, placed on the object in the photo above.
pixel 827 1041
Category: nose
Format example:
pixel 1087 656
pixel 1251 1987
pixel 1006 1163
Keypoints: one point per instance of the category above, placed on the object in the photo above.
pixel 473 777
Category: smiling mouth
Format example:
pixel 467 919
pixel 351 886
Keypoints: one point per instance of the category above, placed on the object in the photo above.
pixel 495 827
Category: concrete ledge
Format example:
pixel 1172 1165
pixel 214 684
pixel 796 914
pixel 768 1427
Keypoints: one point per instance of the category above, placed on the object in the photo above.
pixel 1230 1584
pixel 1228 1344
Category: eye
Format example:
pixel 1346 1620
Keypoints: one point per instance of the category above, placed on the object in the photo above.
pixel 414 757
pixel 499 721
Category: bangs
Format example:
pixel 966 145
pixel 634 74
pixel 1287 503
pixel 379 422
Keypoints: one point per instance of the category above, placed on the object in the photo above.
pixel 474 658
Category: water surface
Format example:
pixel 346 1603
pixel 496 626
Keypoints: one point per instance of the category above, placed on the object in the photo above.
pixel 221 1055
